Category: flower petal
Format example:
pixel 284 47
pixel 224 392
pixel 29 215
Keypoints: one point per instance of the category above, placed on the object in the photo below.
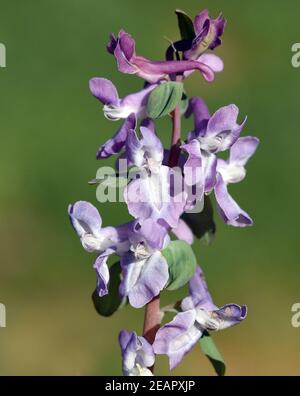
pixel 85 218
pixel 229 210
pixel 104 90
pixel 143 279
pixel 148 151
pixel 150 196
pixel 230 315
pixel 102 271
pixel 209 163
pixel 127 44
pixel 242 150
pixel 193 170
pixel 213 61
pixel 149 124
pixel 115 144
pixel 137 102
pixel 198 107
pixel 220 319
pixel 134 149
pixel 199 291
pixel 153 234
pixel 152 144
pixel 137 354
pixel 112 44
pixel 223 128
pixel 124 50
pixel 183 232
pixel 200 20
pixel 177 338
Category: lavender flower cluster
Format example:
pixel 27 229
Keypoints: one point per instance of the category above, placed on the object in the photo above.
pixel 147 265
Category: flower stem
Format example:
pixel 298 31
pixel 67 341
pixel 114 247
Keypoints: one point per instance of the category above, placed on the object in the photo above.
pixel 153 314
pixel 152 319
pixel 176 133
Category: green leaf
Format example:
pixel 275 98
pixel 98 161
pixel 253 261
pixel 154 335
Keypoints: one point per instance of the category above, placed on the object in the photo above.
pixel 186 25
pixel 211 351
pixel 109 304
pixel 164 99
pixel 182 264
pixel 202 224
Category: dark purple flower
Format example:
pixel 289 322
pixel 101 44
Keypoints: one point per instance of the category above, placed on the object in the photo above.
pixel 123 48
pixel 199 314
pixel 233 171
pixel 208 34
pixel 137 355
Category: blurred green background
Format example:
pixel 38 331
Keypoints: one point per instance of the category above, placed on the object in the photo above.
pixel 51 128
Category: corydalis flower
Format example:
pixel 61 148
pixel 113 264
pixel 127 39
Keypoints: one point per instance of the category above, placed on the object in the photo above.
pixel 118 141
pixel 150 195
pixel 145 153
pixel 106 241
pixel 129 108
pixel 211 135
pixel 233 171
pixel 199 314
pixel 144 269
pixel 208 34
pixel 137 355
pixel 123 48
pixel 115 108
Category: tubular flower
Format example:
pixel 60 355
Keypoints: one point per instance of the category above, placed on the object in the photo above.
pixel 199 314
pixel 106 241
pixel 137 355
pixel 123 48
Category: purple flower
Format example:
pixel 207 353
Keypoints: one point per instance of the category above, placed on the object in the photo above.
pixel 199 314
pixel 146 153
pixel 208 34
pixel 123 48
pixel 233 171
pixel 118 141
pixel 137 355
pixel 211 135
pixel 129 108
pixel 145 270
pixel 152 195
pixel 87 222
pixel 115 108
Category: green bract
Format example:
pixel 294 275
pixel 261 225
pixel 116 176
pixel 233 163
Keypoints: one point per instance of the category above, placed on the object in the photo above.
pixel 182 264
pixel 209 348
pixel 109 304
pixel 186 25
pixel 202 224
pixel 164 99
